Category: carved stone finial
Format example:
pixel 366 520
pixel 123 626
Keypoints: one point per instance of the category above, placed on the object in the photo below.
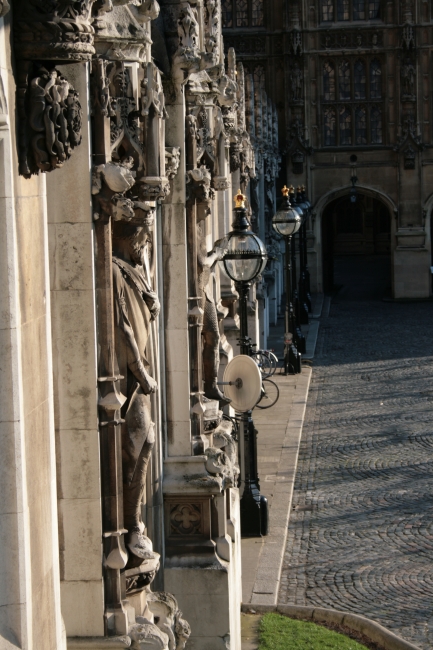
pixel 239 199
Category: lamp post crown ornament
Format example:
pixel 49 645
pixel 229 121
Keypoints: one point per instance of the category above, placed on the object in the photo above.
pixel 285 191
pixel 239 199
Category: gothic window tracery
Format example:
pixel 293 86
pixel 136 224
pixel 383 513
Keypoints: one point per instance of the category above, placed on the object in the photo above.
pixel 347 121
pixel 360 80
pixel 375 79
pixel 329 81
pixel 348 10
pixel 227 13
pixel 242 13
pixel 259 76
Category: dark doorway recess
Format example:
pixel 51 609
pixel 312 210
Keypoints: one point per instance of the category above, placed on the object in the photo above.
pixel 359 229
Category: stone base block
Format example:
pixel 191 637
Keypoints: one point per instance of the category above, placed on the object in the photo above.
pixel 411 273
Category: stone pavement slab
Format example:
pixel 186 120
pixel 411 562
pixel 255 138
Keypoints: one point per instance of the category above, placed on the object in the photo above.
pixel 279 432
pixel 361 528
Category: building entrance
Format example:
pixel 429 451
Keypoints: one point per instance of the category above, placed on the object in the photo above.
pixel 356 230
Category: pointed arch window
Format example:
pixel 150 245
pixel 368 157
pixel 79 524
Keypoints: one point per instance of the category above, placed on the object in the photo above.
pixel 242 13
pixel 227 13
pixel 376 125
pixel 257 15
pixel 330 127
pixel 344 80
pixel 327 10
pixel 343 10
pixel 349 10
pixel 360 125
pixel 329 81
pixel 375 79
pixel 352 111
pixel 360 81
pixel 345 119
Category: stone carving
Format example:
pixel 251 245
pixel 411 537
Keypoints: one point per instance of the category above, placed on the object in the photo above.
pixel 408 80
pixel 53 125
pixel 136 305
pixel 57 29
pixel 186 519
pixel 409 158
pixel 408 36
pixel 166 612
pixel 296 85
pixel 295 42
pixel 212 32
pixel 187 54
pixel 4 7
pixel 172 161
pixel 152 93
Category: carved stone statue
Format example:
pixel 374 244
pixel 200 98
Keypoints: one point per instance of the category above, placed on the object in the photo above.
pixel 211 337
pixel 296 83
pixel 408 74
pixel 136 305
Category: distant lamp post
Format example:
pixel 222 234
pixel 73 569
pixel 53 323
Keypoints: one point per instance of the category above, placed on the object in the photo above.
pixel 297 334
pixel 243 262
pixel 286 222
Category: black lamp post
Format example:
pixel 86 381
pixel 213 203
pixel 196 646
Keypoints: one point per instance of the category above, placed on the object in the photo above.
pixel 304 279
pixel 298 335
pixel 243 262
pixel 286 222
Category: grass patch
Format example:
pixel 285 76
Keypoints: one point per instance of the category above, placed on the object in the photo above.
pixel 277 632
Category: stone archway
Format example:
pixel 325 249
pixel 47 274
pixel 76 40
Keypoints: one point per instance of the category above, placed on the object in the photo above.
pixel 375 216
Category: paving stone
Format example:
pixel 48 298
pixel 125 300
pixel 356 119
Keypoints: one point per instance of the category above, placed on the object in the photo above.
pixel 361 527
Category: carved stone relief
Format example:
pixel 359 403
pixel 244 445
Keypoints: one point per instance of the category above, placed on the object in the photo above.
pixel 52 125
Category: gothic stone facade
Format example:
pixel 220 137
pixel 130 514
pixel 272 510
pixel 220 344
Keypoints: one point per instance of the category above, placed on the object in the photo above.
pixel 352 83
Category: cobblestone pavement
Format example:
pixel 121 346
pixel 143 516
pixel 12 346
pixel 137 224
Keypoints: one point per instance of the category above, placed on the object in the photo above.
pixel 361 532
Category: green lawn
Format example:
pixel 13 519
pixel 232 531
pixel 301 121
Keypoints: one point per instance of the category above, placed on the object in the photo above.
pixel 277 632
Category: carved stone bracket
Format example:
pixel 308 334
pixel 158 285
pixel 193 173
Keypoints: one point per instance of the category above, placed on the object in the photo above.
pixel 4 7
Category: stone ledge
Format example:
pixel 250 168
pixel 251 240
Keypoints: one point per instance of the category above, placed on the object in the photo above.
pixel 374 631
pixel 95 642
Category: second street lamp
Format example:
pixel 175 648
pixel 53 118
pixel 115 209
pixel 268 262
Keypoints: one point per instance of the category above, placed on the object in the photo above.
pixel 243 262
pixel 286 222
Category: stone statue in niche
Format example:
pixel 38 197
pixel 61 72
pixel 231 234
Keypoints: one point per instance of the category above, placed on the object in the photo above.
pixel 408 74
pixel 136 305
pixel 199 181
pixel 296 78
pixel 54 122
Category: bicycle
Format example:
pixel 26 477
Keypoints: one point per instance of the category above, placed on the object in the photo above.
pixel 266 360
pixel 270 394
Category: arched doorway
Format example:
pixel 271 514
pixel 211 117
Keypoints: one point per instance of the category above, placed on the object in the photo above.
pixel 356 234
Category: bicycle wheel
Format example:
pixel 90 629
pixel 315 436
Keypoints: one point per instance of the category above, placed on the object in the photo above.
pixel 270 394
pixel 264 364
pixel 273 360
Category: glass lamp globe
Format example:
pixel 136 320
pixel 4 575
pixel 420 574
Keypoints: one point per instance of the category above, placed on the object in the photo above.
pixel 246 255
pixel 286 221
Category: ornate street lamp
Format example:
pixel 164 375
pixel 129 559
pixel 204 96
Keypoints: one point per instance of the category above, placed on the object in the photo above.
pixel 243 262
pixel 286 222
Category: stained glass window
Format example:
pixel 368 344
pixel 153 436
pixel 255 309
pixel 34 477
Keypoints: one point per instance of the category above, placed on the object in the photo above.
pixel 328 81
pixel 327 10
pixel 257 13
pixel 227 13
pixel 330 130
pixel 374 9
pixel 345 126
pixel 241 13
pixel 375 80
pixel 376 125
pixel 358 9
pixel 342 9
pixel 360 125
pixel 344 80
pixel 360 80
